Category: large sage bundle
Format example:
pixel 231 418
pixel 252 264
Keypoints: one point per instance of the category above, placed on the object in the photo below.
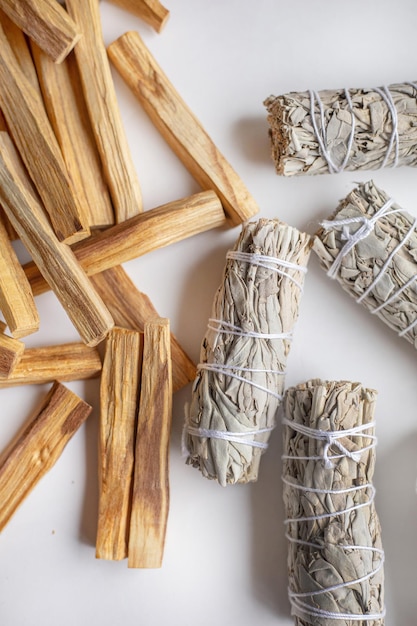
pixel 370 247
pixel 335 558
pixel 316 132
pixel 240 378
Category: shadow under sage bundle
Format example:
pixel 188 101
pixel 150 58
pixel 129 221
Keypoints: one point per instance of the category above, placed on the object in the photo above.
pixel 370 247
pixel 335 557
pixel 317 132
pixel 240 379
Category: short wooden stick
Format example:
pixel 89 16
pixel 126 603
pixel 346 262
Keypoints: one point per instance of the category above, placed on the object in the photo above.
pixel 32 133
pixel 130 308
pixel 144 233
pixel 38 446
pixel 118 405
pixel 150 11
pixel 64 362
pixel 150 499
pixel 46 22
pixel 11 351
pixel 55 260
pixel 16 299
pixel 179 126
pixel 100 97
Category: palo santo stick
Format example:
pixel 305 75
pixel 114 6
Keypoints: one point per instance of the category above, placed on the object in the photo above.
pixel 11 351
pixel 64 362
pixel 179 126
pixel 38 446
pixel 55 260
pixel 46 22
pixel 100 97
pixel 16 299
pixel 119 393
pixel 130 308
pixel 144 233
pixel 65 108
pixel 32 133
pixel 150 499
pixel 150 11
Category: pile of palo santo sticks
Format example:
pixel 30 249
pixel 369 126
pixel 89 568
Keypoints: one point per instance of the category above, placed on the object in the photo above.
pixel 69 191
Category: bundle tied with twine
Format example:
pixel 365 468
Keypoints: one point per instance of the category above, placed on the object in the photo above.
pixel 317 132
pixel 335 556
pixel 369 245
pixel 240 379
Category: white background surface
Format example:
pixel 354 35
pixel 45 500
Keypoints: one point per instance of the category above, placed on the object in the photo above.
pixel 225 550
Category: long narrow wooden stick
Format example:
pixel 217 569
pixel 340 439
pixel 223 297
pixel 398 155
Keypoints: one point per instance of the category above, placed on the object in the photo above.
pixel 130 308
pixel 150 499
pixel 179 126
pixel 150 11
pixel 11 351
pixel 66 111
pixel 16 299
pixel 64 362
pixel 46 22
pixel 100 97
pixel 119 392
pixel 55 260
pixel 33 135
pixel 144 233
pixel 38 446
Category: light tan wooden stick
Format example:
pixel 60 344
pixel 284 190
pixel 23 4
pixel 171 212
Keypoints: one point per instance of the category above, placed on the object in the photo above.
pixel 46 22
pixel 144 233
pixel 119 392
pixel 64 362
pixel 150 11
pixel 130 308
pixel 150 499
pixel 11 351
pixel 55 260
pixel 38 446
pixel 179 126
pixel 16 299
pixel 33 135
pixel 100 97
pixel 65 106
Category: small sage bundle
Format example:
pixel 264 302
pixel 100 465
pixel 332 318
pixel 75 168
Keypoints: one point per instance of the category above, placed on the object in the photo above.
pixel 335 558
pixel 240 379
pixel 344 129
pixel 370 246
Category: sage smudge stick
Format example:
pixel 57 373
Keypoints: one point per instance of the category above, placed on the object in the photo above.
pixel 240 378
pixel 317 132
pixel 335 556
pixel 370 247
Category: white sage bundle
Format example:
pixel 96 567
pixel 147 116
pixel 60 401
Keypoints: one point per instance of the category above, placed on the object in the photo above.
pixel 370 247
pixel 317 132
pixel 240 379
pixel 335 557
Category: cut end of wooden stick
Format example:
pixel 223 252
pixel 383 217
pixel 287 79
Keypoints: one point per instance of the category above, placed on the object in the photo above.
pixel 11 351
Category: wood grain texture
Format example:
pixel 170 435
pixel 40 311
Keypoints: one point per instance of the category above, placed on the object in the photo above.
pixel 63 362
pixel 11 351
pixel 100 97
pixel 38 446
pixel 119 392
pixel 65 106
pixel 179 126
pixel 150 499
pixel 33 135
pixel 54 259
pixel 16 299
pixel 150 11
pixel 144 233
pixel 130 308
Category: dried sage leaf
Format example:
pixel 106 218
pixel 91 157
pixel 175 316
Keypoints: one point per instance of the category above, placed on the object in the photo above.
pixel 335 556
pixel 240 379
pixel 369 245
pixel 343 129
